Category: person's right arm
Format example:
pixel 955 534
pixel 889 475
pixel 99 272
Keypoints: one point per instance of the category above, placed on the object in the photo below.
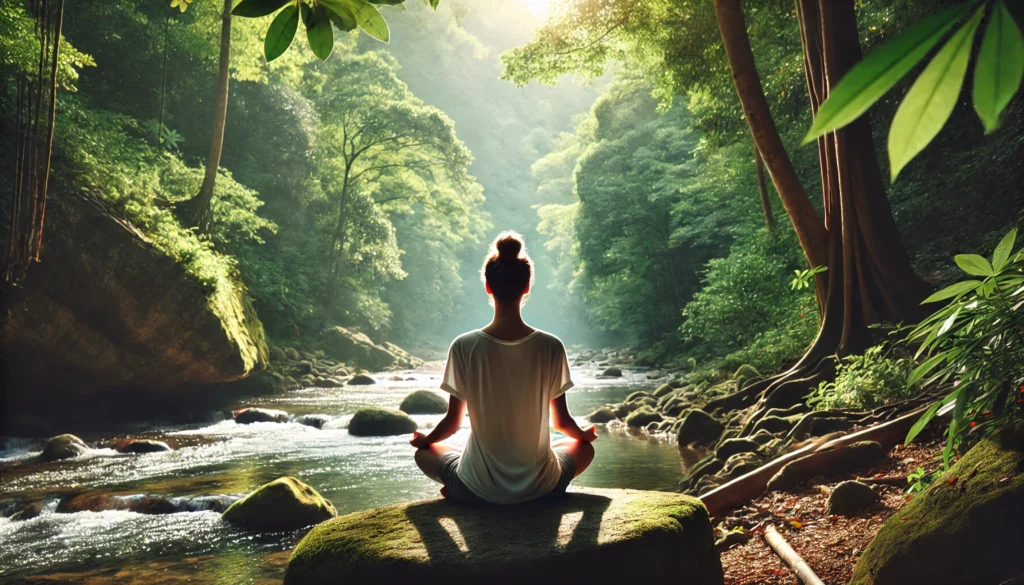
pixel 563 422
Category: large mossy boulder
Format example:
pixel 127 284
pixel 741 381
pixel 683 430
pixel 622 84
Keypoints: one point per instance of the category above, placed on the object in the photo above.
pixel 424 402
pixel 348 345
pixel 108 311
pixel 373 421
pixel 590 536
pixel 698 426
pixel 602 415
pixel 643 416
pixel 964 529
pixel 63 447
pixel 283 504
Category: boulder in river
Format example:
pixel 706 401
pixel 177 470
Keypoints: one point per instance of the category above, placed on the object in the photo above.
pixel 589 536
pixel 351 346
pixel 255 415
pixel 424 402
pixel 602 415
pixel 637 396
pixel 63 447
pixel 283 504
pixel 849 497
pixel 317 421
pixel 643 416
pixel 698 426
pixel 143 446
pixel 361 380
pixel 612 372
pixel 965 529
pixel 373 421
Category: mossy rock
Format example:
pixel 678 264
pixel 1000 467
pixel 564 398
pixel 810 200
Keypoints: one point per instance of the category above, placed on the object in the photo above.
pixel 663 390
pixel 143 446
pixel 623 409
pixel 255 415
pixel 361 380
pixel 373 421
pixel 741 464
pixel 602 415
pixel 638 396
pixel 698 427
pixel 622 536
pixel 643 416
pixel 424 402
pixel 962 531
pixel 283 504
pixel 63 447
pixel 774 424
pixel 849 497
pixel 730 447
pixel 612 372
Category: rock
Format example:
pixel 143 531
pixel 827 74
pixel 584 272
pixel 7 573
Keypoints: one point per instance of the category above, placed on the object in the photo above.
pixel 327 383
pixel 373 421
pixel 602 415
pixel 361 380
pixel 108 310
pixel 255 415
pixel 143 446
pixel 740 464
pixel 347 345
pixel 304 367
pixel 621 410
pixel 612 372
pixel 637 396
pixel 395 379
pixel 341 372
pixel 852 457
pixel 277 355
pixel 965 529
pixel 29 511
pixel 707 466
pixel 307 381
pixel 675 406
pixel 424 402
pixel 317 421
pixel 621 536
pixel 655 375
pixel 850 496
pixel 63 447
pixel 98 501
pixel 283 504
pixel 730 447
pixel 774 424
pixel 292 354
pixel 643 416
pixel 698 427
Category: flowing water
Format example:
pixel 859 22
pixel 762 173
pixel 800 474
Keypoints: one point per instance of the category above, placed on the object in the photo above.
pixel 226 460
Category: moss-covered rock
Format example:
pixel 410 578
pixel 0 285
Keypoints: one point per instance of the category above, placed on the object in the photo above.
pixel 351 346
pixel 663 390
pixel 283 504
pixel 849 497
pixel 361 380
pixel 602 415
pixel 730 447
pixel 622 409
pixel 590 536
pixel 424 402
pixel 254 415
pixel 637 396
pixel 373 421
pixel 63 447
pixel 774 424
pixel 740 464
pixel 642 417
pixel 612 372
pixel 698 427
pixel 962 531
pixel 143 446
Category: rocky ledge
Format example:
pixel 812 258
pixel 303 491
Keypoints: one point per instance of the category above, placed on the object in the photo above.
pixel 590 536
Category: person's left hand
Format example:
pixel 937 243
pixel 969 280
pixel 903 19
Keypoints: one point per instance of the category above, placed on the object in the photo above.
pixel 419 440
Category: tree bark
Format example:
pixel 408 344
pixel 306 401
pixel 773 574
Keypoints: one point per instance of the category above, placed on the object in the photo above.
pixel 337 252
pixel 762 189
pixel 199 209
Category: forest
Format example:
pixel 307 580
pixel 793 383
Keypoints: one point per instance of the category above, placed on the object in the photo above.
pixel 778 239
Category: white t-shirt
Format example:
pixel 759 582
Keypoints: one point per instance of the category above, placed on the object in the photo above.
pixel 507 386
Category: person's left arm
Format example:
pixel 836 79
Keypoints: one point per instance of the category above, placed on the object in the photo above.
pixel 449 425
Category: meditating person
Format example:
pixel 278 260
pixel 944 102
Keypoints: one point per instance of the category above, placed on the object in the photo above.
pixel 509 376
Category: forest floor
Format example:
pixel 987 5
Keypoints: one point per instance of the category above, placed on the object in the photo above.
pixel 830 545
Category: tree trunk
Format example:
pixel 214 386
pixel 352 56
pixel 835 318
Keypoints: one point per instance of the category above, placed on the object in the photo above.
pixel 198 210
pixel 869 279
pixel 762 189
pixel 337 251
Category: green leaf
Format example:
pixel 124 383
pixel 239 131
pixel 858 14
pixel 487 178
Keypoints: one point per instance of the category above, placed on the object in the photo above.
pixel 921 423
pixel 873 76
pixel 387 2
pixel 948 323
pixel 931 99
pixel 922 370
pixel 953 291
pixel 341 16
pixel 1003 250
pixel 369 19
pixel 319 33
pixel 281 33
pixel 1000 67
pixel 257 8
pixel 973 264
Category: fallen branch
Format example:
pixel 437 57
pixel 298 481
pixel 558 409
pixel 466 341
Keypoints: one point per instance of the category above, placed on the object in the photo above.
pixel 828 462
pixel 896 480
pixel 789 556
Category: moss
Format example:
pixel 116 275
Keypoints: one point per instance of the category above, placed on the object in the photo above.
pixel 638 396
pixel 283 504
pixel 614 535
pixel 602 415
pixel 698 427
pixel 373 421
pixel 969 523
pixel 663 390
pixel 424 402
pixel 643 416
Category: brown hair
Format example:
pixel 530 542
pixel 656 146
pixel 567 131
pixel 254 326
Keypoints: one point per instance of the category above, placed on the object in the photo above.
pixel 508 269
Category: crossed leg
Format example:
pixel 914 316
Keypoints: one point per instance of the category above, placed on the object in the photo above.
pixel 582 452
pixel 428 459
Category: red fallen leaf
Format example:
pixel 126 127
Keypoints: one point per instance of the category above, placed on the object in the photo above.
pixel 910 497
pixel 953 480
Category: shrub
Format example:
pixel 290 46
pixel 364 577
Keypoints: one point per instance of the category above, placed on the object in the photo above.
pixel 864 382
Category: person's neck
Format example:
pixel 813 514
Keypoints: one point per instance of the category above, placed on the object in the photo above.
pixel 507 324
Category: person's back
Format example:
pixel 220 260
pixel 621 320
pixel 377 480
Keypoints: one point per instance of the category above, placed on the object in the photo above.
pixel 509 376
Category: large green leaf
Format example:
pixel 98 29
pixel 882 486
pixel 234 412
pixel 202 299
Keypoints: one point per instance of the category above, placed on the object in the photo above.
pixel 931 99
pixel 874 75
pixel 953 291
pixel 281 33
pixel 319 32
pixel 257 8
pixel 927 417
pixel 973 264
pixel 1003 250
pixel 923 370
pixel 1000 67
pixel 341 16
pixel 369 19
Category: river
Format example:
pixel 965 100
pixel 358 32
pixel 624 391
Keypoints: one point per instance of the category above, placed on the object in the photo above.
pixel 221 457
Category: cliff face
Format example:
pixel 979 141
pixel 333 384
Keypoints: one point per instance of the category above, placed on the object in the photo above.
pixel 107 311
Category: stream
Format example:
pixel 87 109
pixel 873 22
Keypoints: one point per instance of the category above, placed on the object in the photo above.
pixel 225 460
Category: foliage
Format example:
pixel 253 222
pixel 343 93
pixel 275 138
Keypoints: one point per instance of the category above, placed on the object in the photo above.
pixel 975 341
pixel 805 278
pixel 19 48
pixel 865 381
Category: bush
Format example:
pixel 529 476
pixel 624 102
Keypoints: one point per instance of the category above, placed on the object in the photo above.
pixel 864 382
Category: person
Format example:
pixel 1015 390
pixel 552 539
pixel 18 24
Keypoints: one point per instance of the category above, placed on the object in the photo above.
pixel 510 377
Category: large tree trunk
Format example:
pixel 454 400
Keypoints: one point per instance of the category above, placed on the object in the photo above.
pixel 198 211
pixel 869 278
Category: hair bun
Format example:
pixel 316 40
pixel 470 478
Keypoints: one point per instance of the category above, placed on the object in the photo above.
pixel 509 245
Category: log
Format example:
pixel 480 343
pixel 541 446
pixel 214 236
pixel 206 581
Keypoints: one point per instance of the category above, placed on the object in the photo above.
pixel 789 556
pixel 751 485
pixel 841 459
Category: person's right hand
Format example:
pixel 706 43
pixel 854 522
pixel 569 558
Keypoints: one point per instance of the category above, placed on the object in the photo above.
pixel 419 440
pixel 589 434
